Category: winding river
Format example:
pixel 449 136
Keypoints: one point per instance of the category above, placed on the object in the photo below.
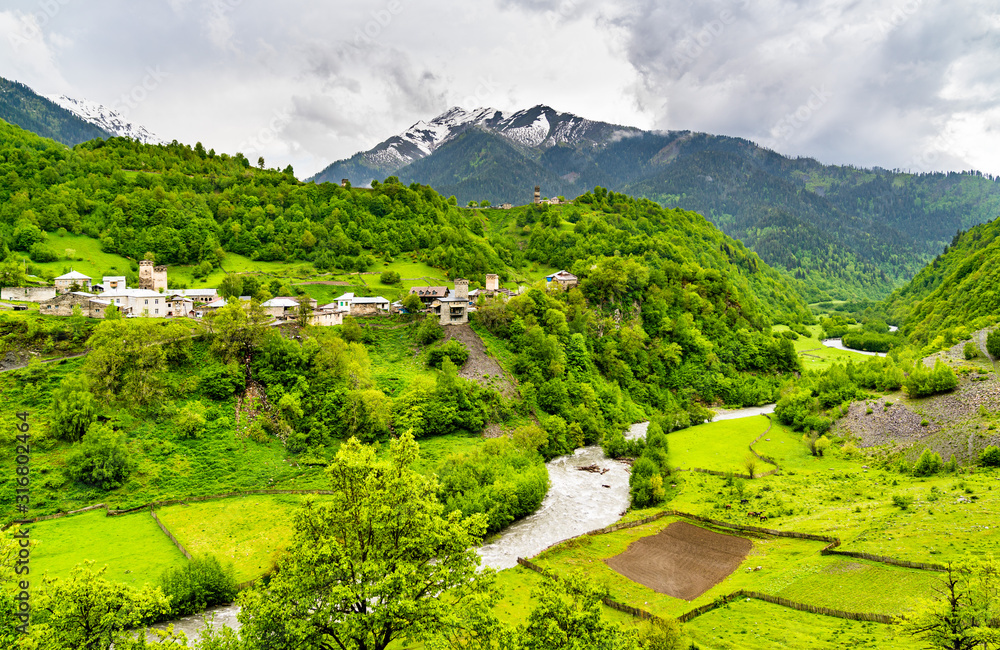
pixel 577 502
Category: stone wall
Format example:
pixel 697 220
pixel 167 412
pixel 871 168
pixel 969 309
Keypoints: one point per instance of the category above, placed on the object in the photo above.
pixel 28 294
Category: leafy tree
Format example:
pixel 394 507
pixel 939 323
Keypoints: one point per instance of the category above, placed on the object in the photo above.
pixel 11 273
pixel 389 277
pixel 970 351
pixel 238 331
pixel 568 616
pixel 376 564
pixel 90 612
pixel 190 420
pixel 928 464
pixel 990 457
pixel 129 357
pixel 102 458
pixel 965 614
pixel 112 313
pixel 231 286
pixel 73 408
pixel 412 303
pixel 923 381
pixel 993 343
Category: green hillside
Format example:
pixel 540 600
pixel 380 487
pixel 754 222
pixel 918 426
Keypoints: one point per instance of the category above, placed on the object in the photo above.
pixel 959 289
pixel 22 106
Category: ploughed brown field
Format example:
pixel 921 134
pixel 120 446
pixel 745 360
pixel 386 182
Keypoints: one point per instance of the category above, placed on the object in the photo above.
pixel 682 560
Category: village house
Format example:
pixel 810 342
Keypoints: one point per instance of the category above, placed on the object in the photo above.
pixel 179 307
pixel 327 317
pixel 343 301
pixel 138 302
pixel 454 309
pixel 562 279
pixel 428 295
pixel 66 283
pixel 368 306
pixel 111 282
pixel 197 296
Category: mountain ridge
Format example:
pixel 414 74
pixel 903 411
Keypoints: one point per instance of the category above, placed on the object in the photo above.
pixel 847 232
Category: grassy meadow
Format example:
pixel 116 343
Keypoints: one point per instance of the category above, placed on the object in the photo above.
pixel 720 446
pixel 132 547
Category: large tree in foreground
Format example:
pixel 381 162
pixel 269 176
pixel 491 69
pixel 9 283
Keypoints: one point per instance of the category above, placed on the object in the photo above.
pixel 375 564
pixel 966 613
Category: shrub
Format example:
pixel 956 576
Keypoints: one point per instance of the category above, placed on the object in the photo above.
pixel 928 464
pixel 389 277
pixel 923 381
pixel 200 584
pixel 453 349
pixel 40 254
pixel 993 343
pixel 970 351
pixel 902 502
pixel 102 459
pixel 430 330
pixel 220 382
pixel 990 457
pixel 190 421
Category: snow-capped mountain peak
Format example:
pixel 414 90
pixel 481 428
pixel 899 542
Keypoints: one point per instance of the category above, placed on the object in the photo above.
pixel 105 118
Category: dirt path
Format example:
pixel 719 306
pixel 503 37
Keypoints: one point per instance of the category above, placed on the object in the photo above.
pixel 480 367
pixel 981 340
pixel 682 560
pixel 11 362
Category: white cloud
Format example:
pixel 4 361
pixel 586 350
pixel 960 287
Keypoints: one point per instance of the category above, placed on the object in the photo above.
pixel 878 83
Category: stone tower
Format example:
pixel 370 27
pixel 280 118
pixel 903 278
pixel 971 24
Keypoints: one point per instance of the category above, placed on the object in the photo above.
pixel 160 278
pixel 492 282
pixel 152 277
pixel 538 194
pixel 145 274
pixel 462 288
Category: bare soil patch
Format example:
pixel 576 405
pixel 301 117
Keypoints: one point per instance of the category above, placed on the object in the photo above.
pixel 480 367
pixel 682 560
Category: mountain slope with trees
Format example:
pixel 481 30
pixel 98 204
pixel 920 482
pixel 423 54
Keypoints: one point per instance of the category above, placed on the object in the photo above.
pixel 847 232
pixel 21 106
pixel 956 294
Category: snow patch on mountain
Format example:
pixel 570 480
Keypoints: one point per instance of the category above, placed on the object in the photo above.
pixel 105 118
pixel 531 135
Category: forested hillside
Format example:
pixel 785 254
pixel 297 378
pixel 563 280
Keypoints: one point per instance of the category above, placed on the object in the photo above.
pixel 21 106
pixel 848 233
pixel 662 287
pixel 959 289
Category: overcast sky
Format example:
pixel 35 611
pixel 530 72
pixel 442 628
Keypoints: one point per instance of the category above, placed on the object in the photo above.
pixel 912 84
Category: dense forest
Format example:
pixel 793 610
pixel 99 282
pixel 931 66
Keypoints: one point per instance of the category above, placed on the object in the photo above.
pixel 954 295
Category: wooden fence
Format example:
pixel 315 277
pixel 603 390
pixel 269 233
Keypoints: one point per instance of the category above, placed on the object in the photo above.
pixel 170 535
pixel 784 602
pixel 160 504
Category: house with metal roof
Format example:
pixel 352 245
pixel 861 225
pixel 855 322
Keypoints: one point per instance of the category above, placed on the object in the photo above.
pixel 65 282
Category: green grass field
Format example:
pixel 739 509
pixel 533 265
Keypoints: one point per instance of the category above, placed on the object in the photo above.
pixel 814 355
pixel 756 625
pixel 248 531
pixel 720 446
pixel 855 585
pixel 132 546
pixel 85 256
